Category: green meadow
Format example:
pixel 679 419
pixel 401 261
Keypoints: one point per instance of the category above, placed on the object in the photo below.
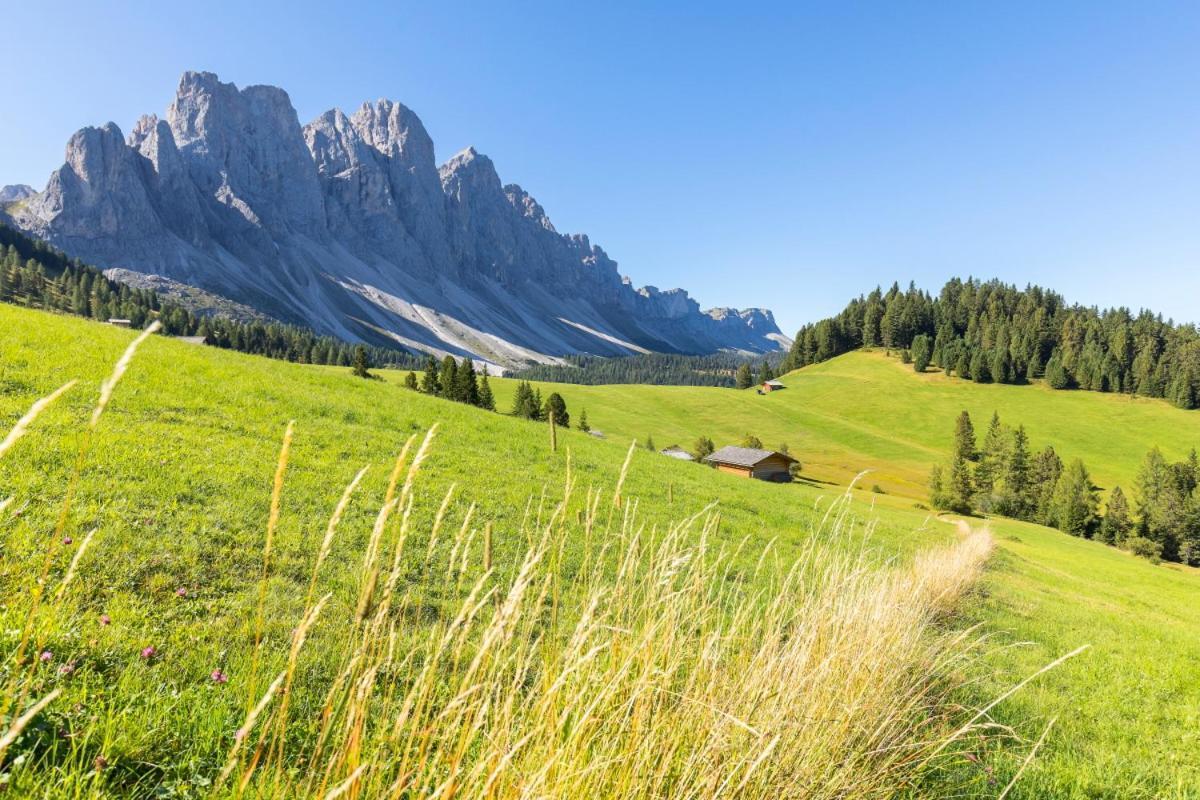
pixel 177 486
pixel 865 410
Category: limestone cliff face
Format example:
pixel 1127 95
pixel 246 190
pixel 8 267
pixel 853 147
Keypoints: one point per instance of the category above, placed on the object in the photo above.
pixel 349 226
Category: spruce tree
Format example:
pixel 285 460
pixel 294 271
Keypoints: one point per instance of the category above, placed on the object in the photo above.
pixel 582 424
pixel 964 438
pixel 1073 505
pixel 430 382
pixel 751 441
pixel 410 381
pixel 361 365
pixel 1056 373
pixel 961 490
pixel 703 448
pixel 1014 482
pixel 486 399
pixel 1118 522
pixel 921 352
pixel 448 378
pixel 650 443
pixel 1047 467
pixel 466 384
pixel 991 457
pixel 744 378
pixel 766 373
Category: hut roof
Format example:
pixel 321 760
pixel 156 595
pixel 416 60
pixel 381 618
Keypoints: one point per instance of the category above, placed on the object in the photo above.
pixel 744 456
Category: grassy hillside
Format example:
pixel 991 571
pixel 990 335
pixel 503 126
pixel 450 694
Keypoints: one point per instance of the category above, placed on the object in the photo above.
pixel 178 484
pixel 173 502
pixel 864 410
pixel 1127 709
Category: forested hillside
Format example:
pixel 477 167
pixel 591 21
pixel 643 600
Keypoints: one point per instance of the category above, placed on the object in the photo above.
pixel 666 369
pixel 996 333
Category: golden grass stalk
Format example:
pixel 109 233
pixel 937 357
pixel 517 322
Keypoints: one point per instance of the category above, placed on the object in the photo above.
pixel 19 725
pixel 106 388
pixel 83 545
pixel 265 574
pixel 243 733
pixel 22 426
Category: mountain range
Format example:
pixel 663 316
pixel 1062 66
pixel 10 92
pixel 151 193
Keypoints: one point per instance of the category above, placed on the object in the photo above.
pixel 348 225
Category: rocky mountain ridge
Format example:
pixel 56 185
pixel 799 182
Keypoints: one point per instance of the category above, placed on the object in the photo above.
pixel 349 226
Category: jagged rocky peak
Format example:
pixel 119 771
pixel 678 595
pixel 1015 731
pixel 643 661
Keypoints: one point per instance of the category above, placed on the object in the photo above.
pixel 15 192
pixel 394 130
pixel 349 225
pixel 530 209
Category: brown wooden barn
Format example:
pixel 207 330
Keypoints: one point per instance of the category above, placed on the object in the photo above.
pixel 766 465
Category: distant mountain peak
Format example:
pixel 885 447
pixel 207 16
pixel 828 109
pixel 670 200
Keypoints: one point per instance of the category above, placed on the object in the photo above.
pixel 348 225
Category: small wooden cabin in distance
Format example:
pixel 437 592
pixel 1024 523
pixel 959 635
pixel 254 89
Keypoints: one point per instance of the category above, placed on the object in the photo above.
pixel 766 465
pixel 773 385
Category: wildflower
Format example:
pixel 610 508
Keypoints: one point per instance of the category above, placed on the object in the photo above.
pixel 239 734
pixel 105 619
pixel 67 540
pixel 219 677
pixel 181 592
pixel 67 669
pixel 149 652
pixel 46 656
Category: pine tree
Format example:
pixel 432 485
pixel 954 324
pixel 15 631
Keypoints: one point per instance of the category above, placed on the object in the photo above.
pixel 961 491
pixel 582 424
pixel 361 365
pixel 1073 505
pixel 744 378
pixel 766 373
pixel 556 409
pixel 1047 467
pixel 448 378
pixel 525 403
pixel 991 457
pixel 1117 522
pixel 410 381
pixel 1014 498
pixel 703 448
pixel 486 399
pixel 430 382
pixel 921 352
pixel 964 438
pixel 466 386
pixel 1056 373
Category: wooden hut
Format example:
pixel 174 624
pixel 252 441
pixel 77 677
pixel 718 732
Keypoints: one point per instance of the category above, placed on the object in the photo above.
pixel 748 462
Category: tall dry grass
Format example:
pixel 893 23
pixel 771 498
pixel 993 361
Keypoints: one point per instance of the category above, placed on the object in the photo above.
pixel 652 664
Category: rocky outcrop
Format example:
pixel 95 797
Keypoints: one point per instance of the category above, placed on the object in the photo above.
pixel 15 193
pixel 349 226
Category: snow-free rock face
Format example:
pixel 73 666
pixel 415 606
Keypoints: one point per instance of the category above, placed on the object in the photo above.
pixel 348 225
pixel 15 193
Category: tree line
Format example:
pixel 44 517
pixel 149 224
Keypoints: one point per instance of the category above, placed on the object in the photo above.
pixel 666 369
pixel 35 275
pixel 994 332
pixel 455 381
pixel 1002 475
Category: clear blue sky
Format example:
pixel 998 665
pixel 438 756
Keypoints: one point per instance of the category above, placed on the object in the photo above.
pixel 787 156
